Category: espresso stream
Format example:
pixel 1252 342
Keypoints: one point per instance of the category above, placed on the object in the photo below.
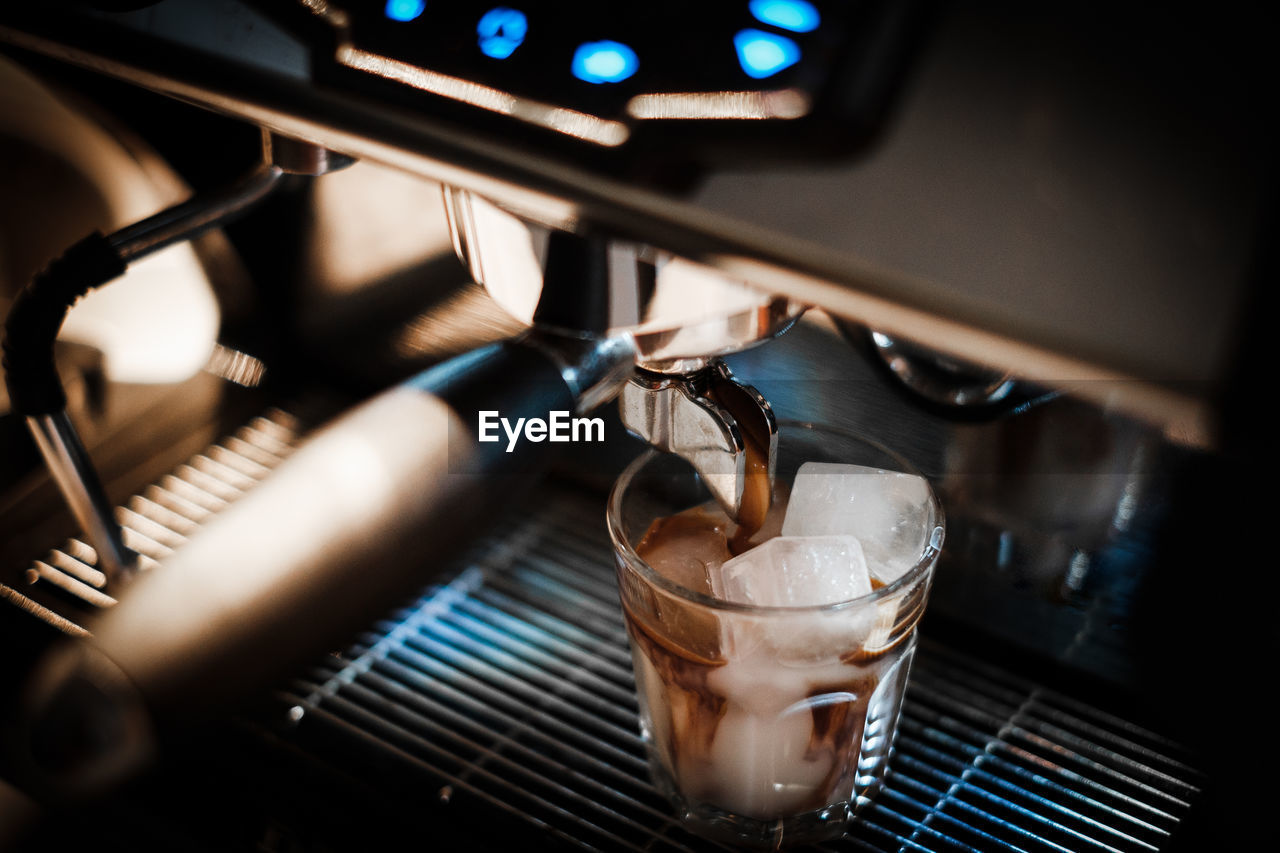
pixel 756 491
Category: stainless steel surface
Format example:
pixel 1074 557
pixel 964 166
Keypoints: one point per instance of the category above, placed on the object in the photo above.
pixel 593 368
pixel 189 219
pixel 673 317
pixel 1122 202
pixel 941 380
pixel 687 415
pixel 676 311
pixel 1052 511
pixel 210 625
pixel 71 469
pixel 298 157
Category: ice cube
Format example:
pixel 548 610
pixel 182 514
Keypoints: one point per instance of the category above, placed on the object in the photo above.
pixel 794 571
pixel 762 757
pixel 888 512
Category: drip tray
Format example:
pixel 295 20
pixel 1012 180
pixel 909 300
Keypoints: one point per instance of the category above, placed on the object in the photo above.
pixel 499 710
pixel 507 693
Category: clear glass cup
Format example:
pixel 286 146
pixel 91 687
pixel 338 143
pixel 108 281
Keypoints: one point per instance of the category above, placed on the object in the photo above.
pixel 766 726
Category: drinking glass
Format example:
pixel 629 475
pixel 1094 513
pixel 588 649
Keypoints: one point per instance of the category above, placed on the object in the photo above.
pixel 768 726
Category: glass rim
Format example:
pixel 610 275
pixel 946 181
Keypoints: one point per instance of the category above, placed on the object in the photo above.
pixel 613 518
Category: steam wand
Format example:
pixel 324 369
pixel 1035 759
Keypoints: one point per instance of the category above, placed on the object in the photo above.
pixel 38 312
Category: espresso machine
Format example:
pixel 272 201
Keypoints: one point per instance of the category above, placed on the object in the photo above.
pixel 263 559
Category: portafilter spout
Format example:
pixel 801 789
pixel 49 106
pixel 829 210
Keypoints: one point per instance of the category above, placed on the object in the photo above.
pixel 722 427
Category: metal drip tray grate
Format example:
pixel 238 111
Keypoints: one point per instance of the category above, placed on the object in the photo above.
pixel 502 701
pixel 65 586
pixel 509 689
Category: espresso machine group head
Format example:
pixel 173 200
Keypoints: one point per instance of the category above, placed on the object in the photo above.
pixel 681 317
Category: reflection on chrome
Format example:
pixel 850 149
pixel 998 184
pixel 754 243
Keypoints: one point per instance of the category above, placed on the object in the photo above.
pixel 465 320
pixel 560 119
pixel 235 366
pixel 429 81
pixel 322 9
pixel 574 123
pixel 784 103
pixel 676 309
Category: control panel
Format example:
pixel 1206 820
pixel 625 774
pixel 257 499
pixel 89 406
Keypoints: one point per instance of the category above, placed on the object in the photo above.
pixel 669 78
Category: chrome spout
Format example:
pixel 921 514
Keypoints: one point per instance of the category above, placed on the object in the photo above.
pixel 708 418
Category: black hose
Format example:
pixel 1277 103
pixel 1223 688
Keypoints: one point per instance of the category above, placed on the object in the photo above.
pixel 41 307
pixel 36 316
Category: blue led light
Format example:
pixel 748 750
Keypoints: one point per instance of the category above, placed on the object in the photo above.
pixel 798 16
pixel 405 10
pixel 764 54
pixel 501 31
pixel 604 62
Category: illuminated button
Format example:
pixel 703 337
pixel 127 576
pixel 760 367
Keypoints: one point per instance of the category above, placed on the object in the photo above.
pixel 604 62
pixel 405 10
pixel 764 54
pixel 797 16
pixel 501 31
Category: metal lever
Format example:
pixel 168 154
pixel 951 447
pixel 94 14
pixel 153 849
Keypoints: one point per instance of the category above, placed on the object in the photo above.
pixel 707 418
